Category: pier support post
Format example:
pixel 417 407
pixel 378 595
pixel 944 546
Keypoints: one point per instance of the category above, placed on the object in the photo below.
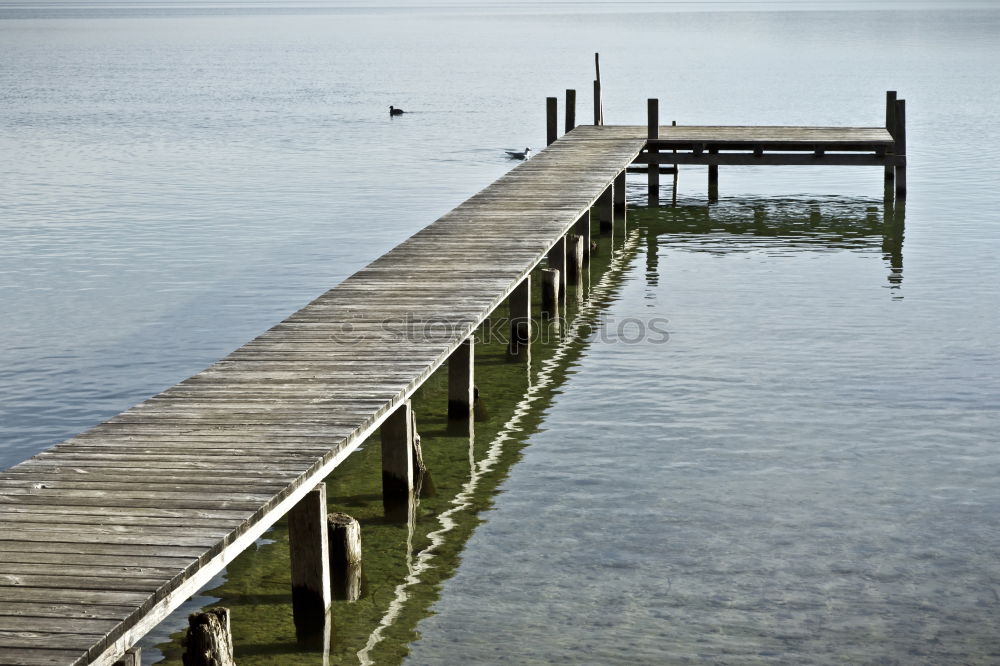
pixel 900 142
pixel 713 177
pixel 606 209
pixel 557 260
pixel 619 196
pixel 310 557
pixel 520 317
pixel 345 556
pixel 574 259
pixel 132 657
pixel 890 125
pixel 209 639
pixel 582 228
pixel 461 371
pixel 551 281
pixel 551 120
pixel 397 434
pixel 653 168
pixel 570 110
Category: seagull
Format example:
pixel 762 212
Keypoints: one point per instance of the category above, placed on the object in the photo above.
pixel 393 111
pixel 514 155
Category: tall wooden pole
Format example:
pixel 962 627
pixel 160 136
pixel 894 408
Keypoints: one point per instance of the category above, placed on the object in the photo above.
pixel 570 110
pixel 653 168
pixel 890 124
pixel 900 145
pixel 551 120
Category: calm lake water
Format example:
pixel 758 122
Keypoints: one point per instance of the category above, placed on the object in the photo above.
pixel 805 472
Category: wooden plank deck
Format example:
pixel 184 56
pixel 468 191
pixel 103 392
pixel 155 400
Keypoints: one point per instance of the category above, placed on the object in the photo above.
pixel 106 533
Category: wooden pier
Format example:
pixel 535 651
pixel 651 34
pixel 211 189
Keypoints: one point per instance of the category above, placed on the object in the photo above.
pixel 107 533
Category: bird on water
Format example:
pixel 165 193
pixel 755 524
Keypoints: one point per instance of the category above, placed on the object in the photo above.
pixel 393 111
pixel 515 155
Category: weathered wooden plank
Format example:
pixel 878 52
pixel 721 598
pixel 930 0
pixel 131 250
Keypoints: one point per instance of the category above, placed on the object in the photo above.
pixel 40 656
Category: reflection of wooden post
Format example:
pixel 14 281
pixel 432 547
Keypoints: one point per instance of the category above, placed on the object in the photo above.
pixel 551 120
pixel 653 162
pixel 345 556
pixel 550 292
pixel 582 228
pixel 574 259
pixel 890 125
pixel 132 657
pixel 310 558
pixel 520 317
pixel 460 381
pixel 570 110
pixel 900 145
pixel 209 640
pixel 673 197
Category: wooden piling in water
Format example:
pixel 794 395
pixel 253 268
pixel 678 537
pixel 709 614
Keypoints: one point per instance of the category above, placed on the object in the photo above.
pixel 606 210
pixel 570 110
pixel 653 163
pixel 209 639
pixel 520 317
pixel 551 281
pixel 557 260
pixel 582 228
pixel 397 454
pixel 132 657
pixel 900 147
pixel 310 558
pixel 890 124
pixel 574 259
pixel 713 177
pixel 597 102
pixel 620 204
pixel 345 556
pixel 551 120
pixel 461 380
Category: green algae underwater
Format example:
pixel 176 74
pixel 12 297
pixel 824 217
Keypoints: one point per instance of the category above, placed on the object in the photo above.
pixel 405 564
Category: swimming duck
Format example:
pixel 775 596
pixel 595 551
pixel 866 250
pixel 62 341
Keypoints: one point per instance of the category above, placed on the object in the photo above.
pixel 393 111
pixel 514 155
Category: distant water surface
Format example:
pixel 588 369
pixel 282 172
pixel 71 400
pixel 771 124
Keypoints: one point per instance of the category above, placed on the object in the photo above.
pixel 805 472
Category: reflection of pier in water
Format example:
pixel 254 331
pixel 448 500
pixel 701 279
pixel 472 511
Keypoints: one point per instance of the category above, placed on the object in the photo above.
pixel 781 226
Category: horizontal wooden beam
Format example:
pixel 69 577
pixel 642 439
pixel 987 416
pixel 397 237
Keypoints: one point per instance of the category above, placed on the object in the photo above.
pixel 777 159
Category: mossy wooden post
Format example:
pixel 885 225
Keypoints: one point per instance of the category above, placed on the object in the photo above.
pixel 461 379
pixel 900 146
pixel 397 435
pixel 551 120
pixel 619 196
pixel 345 556
pixel 890 125
pixel 570 110
pixel 574 259
pixel 520 317
pixel 582 228
pixel 310 558
pixel 653 161
pixel 132 657
pixel 550 292
pixel 209 639
pixel 557 260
